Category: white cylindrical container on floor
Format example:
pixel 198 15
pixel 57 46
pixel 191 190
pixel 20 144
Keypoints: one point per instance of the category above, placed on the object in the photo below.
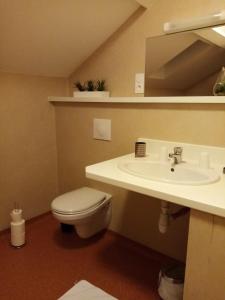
pixel 17 228
pixel 16 215
pixel 171 283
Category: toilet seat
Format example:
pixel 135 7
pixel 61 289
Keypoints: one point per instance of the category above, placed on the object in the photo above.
pixel 79 202
pixel 82 215
pixel 87 209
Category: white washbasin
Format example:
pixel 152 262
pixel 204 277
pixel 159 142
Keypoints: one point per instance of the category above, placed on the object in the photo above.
pixel 184 173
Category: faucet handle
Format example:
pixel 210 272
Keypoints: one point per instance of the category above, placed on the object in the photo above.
pixel 178 150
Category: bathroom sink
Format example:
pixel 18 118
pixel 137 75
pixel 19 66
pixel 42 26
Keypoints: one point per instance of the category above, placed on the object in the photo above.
pixel 183 173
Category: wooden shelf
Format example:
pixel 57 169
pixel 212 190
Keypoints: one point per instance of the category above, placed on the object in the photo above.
pixel 139 100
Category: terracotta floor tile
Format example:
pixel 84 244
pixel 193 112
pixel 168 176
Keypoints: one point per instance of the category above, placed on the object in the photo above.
pixel 49 264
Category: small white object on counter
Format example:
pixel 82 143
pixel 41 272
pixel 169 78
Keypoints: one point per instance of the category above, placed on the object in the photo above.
pixel 204 161
pixel 163 154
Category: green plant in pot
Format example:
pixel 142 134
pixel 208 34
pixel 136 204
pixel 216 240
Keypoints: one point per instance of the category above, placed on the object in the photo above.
pixel 219 86
pixel 80 87
pixel 100 86
pixel 90 86
pixel 87 86
pixel 219 89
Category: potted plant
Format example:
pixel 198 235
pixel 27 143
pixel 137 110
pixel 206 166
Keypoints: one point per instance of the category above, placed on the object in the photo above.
pixel 90 89
pixel 219 86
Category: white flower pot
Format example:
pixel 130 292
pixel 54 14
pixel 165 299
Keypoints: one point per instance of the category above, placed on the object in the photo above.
pixel 86 94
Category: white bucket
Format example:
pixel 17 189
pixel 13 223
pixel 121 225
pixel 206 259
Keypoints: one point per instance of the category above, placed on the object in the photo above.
pixel 171 283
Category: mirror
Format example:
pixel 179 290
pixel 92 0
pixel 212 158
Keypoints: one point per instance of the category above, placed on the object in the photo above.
pixel 185 63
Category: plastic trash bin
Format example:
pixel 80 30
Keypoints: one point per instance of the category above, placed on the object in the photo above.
pixel 171 282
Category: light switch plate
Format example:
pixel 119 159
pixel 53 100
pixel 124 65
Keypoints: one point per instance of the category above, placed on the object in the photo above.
pixel 139 83
pixel 102 129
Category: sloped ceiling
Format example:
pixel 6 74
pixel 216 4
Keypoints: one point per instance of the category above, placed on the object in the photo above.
pixel 146 3
pixel 53 37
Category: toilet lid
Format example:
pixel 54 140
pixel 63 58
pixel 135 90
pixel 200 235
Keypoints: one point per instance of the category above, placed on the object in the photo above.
pixel 78 201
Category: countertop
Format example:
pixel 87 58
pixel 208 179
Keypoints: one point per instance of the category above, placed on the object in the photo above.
pixel 208 198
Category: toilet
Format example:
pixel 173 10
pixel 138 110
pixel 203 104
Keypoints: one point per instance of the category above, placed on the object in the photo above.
pixel 89 210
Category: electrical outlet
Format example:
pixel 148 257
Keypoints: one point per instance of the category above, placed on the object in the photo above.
pixel 139 83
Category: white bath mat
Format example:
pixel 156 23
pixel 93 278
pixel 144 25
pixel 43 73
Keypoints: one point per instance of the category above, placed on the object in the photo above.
pixel 83 290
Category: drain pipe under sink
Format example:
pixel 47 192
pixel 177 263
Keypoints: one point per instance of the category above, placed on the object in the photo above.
pixel 165 216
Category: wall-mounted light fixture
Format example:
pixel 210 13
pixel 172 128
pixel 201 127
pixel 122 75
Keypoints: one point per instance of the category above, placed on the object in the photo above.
pixel 189 24
pixel 220 30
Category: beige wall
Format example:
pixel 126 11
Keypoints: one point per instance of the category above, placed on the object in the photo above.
pixel 117 61
pixel 134 215
pixel 28 158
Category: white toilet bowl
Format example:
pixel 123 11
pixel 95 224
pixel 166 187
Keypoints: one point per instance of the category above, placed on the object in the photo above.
pixel 89 210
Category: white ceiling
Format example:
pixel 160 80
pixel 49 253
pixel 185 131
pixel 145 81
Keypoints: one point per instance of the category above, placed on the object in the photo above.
pixel 53 37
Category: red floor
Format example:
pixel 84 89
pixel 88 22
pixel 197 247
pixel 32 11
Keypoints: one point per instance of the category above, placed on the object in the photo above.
pixel 51 262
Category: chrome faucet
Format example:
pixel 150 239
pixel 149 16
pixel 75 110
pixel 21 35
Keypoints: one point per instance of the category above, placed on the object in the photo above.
pixel 176 155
